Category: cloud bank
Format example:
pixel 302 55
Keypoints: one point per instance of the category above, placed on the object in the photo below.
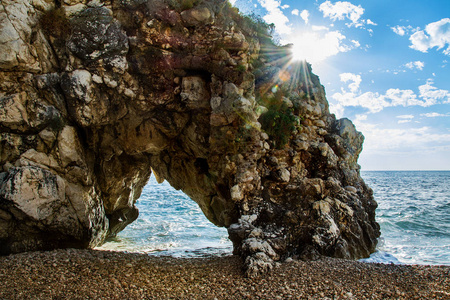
pixel 375 102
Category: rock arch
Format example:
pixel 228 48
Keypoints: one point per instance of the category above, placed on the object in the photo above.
pixel 97 94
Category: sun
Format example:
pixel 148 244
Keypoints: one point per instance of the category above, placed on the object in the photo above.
pixel 315 47
pixel 305 48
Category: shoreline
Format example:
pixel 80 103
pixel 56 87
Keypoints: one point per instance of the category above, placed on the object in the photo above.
pixel 98 274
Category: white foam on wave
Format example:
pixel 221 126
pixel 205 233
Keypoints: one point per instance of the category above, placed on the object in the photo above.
pixel 382 257
pixel 413 212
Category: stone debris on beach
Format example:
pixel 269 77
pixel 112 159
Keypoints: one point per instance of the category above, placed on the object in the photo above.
pixel 89 274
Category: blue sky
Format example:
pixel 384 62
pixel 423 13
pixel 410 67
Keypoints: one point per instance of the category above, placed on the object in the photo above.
pixel 384 64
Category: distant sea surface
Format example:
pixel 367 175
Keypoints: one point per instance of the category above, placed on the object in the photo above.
pixel 413 212
pixel 414 215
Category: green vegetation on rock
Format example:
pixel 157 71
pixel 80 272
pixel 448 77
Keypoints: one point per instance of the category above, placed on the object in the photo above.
pixel 279 121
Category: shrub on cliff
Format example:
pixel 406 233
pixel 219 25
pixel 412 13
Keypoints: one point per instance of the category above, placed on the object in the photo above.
pixel 279 121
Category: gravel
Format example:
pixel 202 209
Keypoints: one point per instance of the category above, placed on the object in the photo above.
pixel 93 274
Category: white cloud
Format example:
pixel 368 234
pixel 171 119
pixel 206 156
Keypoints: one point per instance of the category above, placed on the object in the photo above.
pixel 285 6
pixel 415 65
pixel 405 117
pixel 398 97
pixel 404 30
pixel 376 102
pixel 432 94
pixel 356 80
pixel 319 28
pixel 233 2
pixel 276 16
pixel 305 15
pixel 436 34
pixel 356 43
pixel 385 139
pixel 370 22
pixel 391 140
pixel 295 12
pixel 342 10
pixel 337 109
pixel 360 118
pixel 434 115
pixel 400 30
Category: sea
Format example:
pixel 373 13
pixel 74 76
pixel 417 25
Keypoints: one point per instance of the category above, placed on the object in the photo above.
pixel 413 213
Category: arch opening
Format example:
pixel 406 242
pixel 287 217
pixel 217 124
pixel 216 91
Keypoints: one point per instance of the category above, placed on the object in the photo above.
pixel 170 223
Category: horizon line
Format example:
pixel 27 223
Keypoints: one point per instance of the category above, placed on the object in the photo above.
pixel 416 170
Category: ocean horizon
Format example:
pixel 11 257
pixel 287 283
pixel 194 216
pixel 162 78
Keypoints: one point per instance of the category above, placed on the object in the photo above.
pixel 413 213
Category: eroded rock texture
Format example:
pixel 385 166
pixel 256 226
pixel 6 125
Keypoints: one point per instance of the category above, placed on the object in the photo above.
pixel 94 95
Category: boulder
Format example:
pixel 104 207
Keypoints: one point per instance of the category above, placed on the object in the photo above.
pixel 197 16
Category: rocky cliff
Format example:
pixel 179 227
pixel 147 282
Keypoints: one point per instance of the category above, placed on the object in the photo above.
pixel 96 96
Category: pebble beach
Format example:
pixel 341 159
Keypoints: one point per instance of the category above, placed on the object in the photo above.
pixel 93 274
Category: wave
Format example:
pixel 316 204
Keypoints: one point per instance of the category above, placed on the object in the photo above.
pixel 413 213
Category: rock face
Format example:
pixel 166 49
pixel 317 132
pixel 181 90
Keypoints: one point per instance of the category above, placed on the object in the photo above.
pixel 95 95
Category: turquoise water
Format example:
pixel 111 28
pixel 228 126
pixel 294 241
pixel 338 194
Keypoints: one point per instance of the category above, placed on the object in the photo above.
pixel 170 223
pixel 414 215
pixel 413 212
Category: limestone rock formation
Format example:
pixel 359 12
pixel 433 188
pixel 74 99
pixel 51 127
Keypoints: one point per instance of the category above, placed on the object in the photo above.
pixel 96 95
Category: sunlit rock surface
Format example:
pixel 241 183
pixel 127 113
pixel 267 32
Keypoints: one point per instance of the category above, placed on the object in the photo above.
pixel 95 95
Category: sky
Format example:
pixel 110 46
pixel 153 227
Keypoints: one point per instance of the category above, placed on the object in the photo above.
pixel 384 64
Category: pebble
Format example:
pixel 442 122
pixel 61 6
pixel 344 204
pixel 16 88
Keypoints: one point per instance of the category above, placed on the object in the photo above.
pixel 89 274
